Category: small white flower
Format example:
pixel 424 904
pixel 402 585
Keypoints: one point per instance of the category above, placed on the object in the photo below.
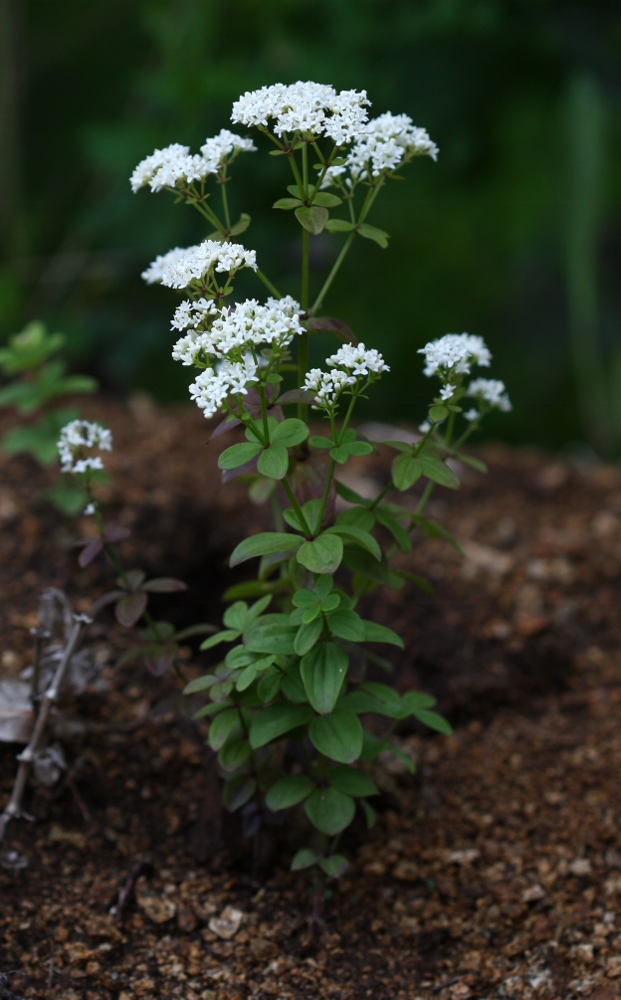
pixel 78 436
pixel 471 415
pixel 216 332
pixel 89 509
pixel 492 391
pixel 358 363
pixel 179 267
pixel 211 388
pixel 447 391
pixel 310 108
pixel 425 427
pixel 380 147
pixel 358 359
pixel 168 167
pixel 224 147
pixel 455 353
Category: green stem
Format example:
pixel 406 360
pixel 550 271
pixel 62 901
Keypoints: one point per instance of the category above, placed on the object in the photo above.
pixel 225 204
pixel 268 284
pixel 326 493
pixel 296 507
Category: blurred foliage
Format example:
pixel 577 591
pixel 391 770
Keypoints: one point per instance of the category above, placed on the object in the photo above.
pixel 515 234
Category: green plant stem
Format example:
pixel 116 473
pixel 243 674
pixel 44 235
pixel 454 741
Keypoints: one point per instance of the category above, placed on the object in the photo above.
pixel 268 284
pixel 296 507
pixel 364 211
pixel 225 204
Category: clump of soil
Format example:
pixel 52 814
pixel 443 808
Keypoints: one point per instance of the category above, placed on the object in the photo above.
pixel 494 872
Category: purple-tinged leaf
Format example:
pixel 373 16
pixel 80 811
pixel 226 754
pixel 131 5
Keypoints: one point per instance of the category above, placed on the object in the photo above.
pixel 315 324
pixel 132 580
pixel 109 598
pixel 225 426
pixel 164 585
pixel 129 609
pixel 297 396
pixel 116 533
pixel 90 551
pixel 229 474
pixel 161 658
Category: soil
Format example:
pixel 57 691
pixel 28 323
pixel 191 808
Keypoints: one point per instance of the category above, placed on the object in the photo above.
pixel 494 872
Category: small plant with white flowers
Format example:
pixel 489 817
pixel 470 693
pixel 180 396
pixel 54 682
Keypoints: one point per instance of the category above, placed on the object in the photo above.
pixel 292 715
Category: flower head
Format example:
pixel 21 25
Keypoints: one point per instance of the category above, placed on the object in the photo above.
pixel 169 167
pixel 455 353
pixel 381 146
pixel 309 108
pixel 179 267
pixel 175 166
pixel 491 391
pixel 215 332
pixel 212 387
pixel 79 437
pixel 350 364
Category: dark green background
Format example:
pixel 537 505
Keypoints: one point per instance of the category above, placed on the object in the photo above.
pixel 514 234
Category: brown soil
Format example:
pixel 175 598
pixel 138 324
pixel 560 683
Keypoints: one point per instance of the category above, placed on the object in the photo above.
pixel 495 872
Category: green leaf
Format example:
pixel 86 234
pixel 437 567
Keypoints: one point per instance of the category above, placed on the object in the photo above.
pixel 405 471
pixel 352 782
pixel 270 634
pixel 265 543
pixel 373 233
pixel 438 412
pixel 347 625
pixel 380 633
pixel 289 433
pixel 212 708
pixel 274 462
pixel 323 671
pixel 275 721
pixel 340 454
pixel 305 858
pixel 334 866
pixel 399 534
pixel 227 636
pixel 313 219
pixel 369 813
pixel 473 462
pixel 223 726
pixel 238 790
pixel 359 448
pixel 269 685
pixel 319 441
pixel 200 684
pixel 350 495
pixel 414 700
pixel 433 720
pixel 287 203
pixel 431 529
pixel 235 616
pixel 247 677
pixel 339 226
pixel 291 685
pixel 352 534
pixel 238 454
pixel 327 200
pixel 438 472
pixel 329 811
pixel 307 636
pixel 357 517
pixel 387 696
pixel 241 225
pixel 234 752
pixel 323 555
pixel 288 792
pixel 337 736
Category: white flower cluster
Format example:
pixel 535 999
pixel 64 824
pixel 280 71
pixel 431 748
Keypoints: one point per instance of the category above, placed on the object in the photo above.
pixel 356 361
pixel 179 267
pixel 77 436
pixel 381 146
pixel 174 165
pixel 212 386
pixel 455 353
pixel 492 391
pixel 244 324
pixel 309 108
